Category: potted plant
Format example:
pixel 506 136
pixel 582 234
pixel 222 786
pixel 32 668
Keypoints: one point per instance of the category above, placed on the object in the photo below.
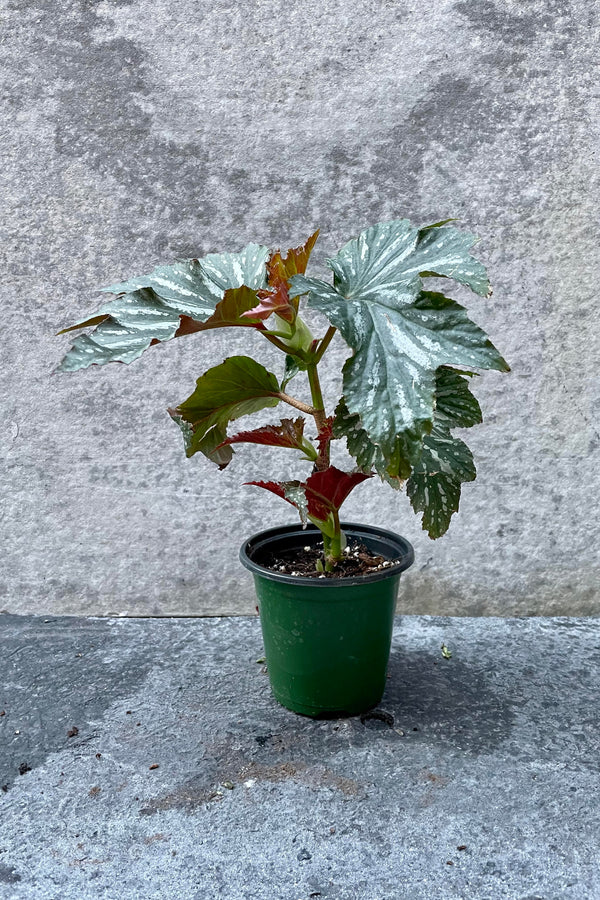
pixel 326 590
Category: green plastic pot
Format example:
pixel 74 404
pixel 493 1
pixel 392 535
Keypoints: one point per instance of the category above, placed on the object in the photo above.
pixel 327 641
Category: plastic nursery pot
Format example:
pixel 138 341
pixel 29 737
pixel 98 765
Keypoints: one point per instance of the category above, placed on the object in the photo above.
pixel 327 641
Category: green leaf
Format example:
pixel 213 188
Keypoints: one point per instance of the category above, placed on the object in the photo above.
pixel 89 323
pixel 400 334
pixel 446 462
pixel 170 302
pixel 134 322
pixel 237 387
pixel 211 445
pixel 424 228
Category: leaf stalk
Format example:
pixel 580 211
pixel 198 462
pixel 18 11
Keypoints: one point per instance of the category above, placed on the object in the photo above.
pixel 298 404
pixel 279 344
pixel 324 344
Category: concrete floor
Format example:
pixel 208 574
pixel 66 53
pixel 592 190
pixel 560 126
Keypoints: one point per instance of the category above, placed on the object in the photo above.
pixel 146 759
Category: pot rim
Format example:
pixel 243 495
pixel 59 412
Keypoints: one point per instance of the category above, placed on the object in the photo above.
pixel 258 541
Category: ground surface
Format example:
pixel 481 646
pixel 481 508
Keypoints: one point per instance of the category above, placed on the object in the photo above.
pixel 186 780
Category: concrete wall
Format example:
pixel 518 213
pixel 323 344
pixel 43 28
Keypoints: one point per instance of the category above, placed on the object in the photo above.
pixel 137 132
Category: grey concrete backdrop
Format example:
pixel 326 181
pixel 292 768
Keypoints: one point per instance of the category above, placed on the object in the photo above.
pixel 136 132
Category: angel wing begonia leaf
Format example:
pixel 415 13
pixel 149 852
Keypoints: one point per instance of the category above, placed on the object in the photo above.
pixel 192 284
pixel 237 387
pixel 399 333
pixel 434 487
pixel 169 302
pixel 127 326
pixel 455 407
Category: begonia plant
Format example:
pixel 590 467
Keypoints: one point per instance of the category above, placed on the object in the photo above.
pixel 406 381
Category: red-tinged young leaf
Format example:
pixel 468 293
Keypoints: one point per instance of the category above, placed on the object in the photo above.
pixel 289 434
pixel 294 492
pixel 295 262
pixel 276 301
pixel 324 491
pixel 327 490
pixel 279 271
pixel 276 487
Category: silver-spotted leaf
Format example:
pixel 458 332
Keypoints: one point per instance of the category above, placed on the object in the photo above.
pixel 455 405
pixel 169 302
pixel 401 334
pixel 446 462
pixel 395 467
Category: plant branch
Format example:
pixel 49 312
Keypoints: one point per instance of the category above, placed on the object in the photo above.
pixel 303 407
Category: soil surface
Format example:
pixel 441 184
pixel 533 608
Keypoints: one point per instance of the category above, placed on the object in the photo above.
pixel 358 560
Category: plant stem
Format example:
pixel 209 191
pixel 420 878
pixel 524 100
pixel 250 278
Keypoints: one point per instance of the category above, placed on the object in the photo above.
pixel 322 461
pixel 333 547
pixel 316 395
